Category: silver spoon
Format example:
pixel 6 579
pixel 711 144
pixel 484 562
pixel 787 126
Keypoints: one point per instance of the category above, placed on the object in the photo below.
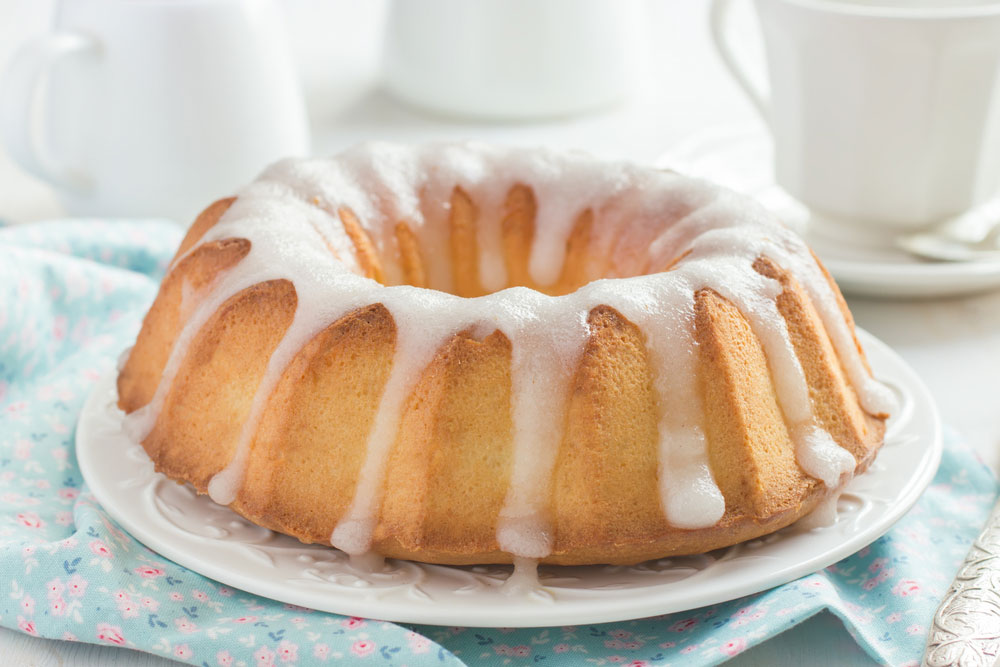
pixel 956 242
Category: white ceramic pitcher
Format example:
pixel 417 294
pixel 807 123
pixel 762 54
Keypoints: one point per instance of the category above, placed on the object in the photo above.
pixel 882 111
pixel 153 108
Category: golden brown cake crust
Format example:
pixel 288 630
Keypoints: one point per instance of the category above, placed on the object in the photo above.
pixel 447 475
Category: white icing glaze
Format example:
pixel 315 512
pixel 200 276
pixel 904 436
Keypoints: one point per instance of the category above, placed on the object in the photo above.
pixel 523 579
pixel 368 563
pixel 824 515
pixel 646 218
pixel 664 311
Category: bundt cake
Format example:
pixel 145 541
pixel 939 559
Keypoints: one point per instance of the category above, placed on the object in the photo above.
pixel 468 354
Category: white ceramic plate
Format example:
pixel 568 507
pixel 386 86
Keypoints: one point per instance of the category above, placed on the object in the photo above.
pixel 214 541
pixel 863 263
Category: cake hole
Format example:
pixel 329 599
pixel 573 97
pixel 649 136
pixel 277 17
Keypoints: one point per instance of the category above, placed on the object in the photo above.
pixel 447 255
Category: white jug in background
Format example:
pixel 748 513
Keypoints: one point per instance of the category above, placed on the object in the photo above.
pixel 153 108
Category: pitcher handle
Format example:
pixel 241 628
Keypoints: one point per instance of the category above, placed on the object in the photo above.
pixel 20 90
pixel 718 19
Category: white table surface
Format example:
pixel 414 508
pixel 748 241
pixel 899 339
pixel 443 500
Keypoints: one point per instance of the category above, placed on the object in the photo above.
pixel 953 344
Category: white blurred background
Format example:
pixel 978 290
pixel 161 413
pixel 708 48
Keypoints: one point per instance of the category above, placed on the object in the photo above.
pixel 337 46
pixel 682 88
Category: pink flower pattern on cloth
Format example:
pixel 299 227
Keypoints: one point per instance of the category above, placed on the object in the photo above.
pixel 72 295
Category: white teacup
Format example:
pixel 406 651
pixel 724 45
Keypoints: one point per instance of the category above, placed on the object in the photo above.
pixel 883 112
pixel 153 108
pixel 512 59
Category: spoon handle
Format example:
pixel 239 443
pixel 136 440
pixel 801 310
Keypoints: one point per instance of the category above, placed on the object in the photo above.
pixel 966 627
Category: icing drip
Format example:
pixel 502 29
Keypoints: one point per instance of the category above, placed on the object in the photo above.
pixel 549 340
pixel 138 424
pixel 820 456
pixel 122 358
pixel 823 516
pixel 415 348
pixel 664 311
pixel 648 219
pixel 309 320
pixel 756 296
pixel 875 397
pixel 524 578
pixel 368 563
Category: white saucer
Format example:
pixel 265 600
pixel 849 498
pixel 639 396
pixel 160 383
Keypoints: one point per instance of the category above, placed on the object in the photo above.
pixel 740 157
pixel 210 539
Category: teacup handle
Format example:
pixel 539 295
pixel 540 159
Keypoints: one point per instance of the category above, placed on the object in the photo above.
pixel 718 16
pixel 19 93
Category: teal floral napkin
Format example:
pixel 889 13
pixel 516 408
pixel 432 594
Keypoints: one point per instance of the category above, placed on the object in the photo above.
pixel 72 294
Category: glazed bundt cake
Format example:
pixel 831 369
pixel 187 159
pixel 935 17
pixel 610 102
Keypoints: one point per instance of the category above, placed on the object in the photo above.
pixel 464 354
